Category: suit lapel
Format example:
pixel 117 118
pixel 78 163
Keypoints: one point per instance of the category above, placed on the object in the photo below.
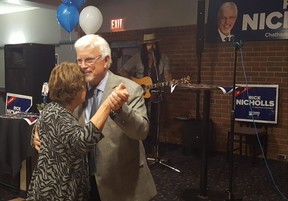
pixel 112 82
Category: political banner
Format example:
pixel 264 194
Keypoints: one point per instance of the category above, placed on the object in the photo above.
pixel 247 20
pixel 257 103
pixel 16 103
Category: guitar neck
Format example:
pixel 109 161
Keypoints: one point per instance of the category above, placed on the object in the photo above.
pixel 156 85
pixel 147 84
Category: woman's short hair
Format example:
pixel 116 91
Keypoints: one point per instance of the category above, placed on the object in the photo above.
pixel 66 80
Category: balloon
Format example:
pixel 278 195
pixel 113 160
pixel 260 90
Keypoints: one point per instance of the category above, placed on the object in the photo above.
pixel 90 19
pixel 67 2
pixel 78 3
pixel 67 16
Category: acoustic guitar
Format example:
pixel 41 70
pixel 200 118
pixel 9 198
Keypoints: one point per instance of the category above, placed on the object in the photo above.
pixel 147 84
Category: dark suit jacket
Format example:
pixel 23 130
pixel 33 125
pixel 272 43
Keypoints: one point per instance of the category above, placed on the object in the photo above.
pixel 122 172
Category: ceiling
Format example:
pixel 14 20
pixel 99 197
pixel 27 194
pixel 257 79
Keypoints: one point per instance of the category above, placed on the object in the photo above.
pixel 47 2
pixel 6 8
pixel 11 6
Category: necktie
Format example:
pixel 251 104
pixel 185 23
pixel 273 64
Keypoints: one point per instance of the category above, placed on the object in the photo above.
pixel 229 38
pixel 94 107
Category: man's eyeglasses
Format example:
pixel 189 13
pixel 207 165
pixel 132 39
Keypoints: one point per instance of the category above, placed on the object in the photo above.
pixel 89 60
pixel 230 18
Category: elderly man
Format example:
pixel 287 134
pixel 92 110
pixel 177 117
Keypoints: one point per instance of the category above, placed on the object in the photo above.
pixel 118 163
pixel 226 18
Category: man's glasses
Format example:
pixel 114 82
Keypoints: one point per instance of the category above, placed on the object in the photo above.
pixel 230 18
pixel 88 61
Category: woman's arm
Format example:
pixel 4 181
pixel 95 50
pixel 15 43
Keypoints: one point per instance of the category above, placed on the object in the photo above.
pixel 114 102
pixel 35 138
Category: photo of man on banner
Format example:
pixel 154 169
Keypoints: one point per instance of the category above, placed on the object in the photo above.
pixel 234 20
pixel 226 18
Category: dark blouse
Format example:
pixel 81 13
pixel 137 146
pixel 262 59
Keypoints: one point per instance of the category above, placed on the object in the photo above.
pixel 61 172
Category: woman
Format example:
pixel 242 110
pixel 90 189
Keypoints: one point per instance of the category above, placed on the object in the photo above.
pixel 61 172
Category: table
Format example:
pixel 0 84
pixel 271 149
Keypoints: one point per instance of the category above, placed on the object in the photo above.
pixel 15 135
pixel 206 90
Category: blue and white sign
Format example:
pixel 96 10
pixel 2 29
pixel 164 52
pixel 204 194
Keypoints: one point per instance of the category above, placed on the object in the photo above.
pixel 16 103
pixel 247 20
pixel 257 103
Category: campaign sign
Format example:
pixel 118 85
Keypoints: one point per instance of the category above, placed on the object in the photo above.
pixel 257 103
pixel 16 103
pixel 247 20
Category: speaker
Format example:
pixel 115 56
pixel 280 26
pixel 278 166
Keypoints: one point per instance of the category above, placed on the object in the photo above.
pixel 27 67
pixel 200 26
pixel 192 137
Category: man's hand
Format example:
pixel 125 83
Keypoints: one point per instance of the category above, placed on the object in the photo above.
pixel 36 139
pixel 118 97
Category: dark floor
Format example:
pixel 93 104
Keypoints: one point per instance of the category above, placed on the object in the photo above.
pixel 253 183
pixel 250 183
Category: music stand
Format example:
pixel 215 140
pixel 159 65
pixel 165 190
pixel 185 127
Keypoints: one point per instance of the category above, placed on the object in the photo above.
pixel 157 159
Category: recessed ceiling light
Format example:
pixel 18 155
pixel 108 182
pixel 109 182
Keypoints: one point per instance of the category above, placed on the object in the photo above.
pixel 6 8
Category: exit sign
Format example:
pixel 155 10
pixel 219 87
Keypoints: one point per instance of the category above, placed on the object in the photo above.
pixel 117 25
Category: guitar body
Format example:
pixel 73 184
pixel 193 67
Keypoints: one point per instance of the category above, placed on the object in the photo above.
pixel 145 81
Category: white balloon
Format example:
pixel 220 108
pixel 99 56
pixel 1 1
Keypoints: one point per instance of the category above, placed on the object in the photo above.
pixel 90 19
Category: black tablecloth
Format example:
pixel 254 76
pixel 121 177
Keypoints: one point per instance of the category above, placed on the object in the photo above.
pixel 15 135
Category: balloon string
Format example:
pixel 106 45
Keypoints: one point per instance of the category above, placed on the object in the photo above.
pixel 71 46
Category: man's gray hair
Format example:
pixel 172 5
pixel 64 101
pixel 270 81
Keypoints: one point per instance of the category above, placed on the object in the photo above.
pixel 229 5
pixel 94 41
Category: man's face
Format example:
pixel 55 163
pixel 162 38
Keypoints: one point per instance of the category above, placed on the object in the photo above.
pixel 92 65
pixel 150 47
pixel 227 20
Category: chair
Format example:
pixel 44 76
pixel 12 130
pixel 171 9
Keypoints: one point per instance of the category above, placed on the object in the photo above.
pixel 245 134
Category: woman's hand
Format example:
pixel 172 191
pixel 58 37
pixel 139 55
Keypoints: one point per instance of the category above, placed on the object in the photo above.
pixel 118 97
pixel 36 139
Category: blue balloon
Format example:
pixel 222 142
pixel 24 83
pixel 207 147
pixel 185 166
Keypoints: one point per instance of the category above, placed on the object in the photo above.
pixel 67 2
pixel 67 16
pixel 78 3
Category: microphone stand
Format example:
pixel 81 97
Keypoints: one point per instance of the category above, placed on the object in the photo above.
pixel 156 158
pixel 237 46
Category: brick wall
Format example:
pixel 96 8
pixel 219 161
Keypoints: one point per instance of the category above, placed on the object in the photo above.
pixel 265 63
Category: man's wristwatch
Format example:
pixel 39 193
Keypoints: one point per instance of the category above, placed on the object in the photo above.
pixel 113 114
